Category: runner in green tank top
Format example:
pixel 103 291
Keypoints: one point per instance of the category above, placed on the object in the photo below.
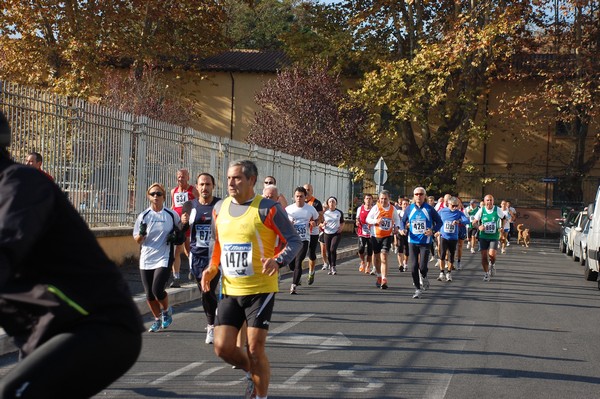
pixel 488 220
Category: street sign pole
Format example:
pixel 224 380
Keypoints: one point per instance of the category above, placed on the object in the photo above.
pixel 380 176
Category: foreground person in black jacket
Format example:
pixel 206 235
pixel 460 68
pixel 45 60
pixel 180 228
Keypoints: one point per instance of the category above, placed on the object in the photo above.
pixel 63 301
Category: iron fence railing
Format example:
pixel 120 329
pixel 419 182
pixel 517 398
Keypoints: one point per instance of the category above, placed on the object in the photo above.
pixel 104 159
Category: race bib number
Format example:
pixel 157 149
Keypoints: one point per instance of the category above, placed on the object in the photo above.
pixel 301 229
pixel 365 230
pixel 418 226
pixel 180 198
pixel 489 227
pixel 449 227
pixel 385 224
pixel 236 260
pixel 203 235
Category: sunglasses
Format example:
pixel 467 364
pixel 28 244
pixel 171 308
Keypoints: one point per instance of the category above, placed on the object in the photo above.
pixel 419 193
pixel 269 182
pixel 453 206
pixel 156 194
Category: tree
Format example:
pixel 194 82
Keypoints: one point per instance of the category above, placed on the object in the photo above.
pixel 146 95
pixel 66 45
pixel 426 103
pixel 305 112
pixel 259 24
pixel 567 76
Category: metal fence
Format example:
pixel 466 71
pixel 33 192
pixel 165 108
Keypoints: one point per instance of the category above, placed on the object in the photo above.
pixel 104 159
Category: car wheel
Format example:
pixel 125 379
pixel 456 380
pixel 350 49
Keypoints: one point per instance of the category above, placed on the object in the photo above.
pixel 574 257
pixel 561 246
pixel 588 273
pixel 582 260
pixel 569 251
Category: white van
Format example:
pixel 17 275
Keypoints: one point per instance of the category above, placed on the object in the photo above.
pixel 593 242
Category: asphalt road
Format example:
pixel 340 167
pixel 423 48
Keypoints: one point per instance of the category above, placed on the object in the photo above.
pixel 533 331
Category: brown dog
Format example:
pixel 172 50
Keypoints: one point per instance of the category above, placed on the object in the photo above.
pixel 526 237
pixel 523 235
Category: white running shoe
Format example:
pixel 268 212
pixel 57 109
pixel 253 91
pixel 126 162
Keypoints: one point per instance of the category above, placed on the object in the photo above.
pixel 486 277
pixel 449 276
pixel 458 266
pixel 417 294
pixel 508 243
pixel 441 277
pixel 325 266
pixel 472 250
pixel 210 334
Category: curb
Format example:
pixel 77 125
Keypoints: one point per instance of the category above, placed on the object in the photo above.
pixel 187 293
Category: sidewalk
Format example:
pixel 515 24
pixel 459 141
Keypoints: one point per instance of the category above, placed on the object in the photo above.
pixel 189 291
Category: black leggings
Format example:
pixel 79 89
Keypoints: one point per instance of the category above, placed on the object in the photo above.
pixel 418 257
pixel 75 364
pixel 296 263
pixel 155 282
pixel 210 299
pixel 331 244
pixel 312 247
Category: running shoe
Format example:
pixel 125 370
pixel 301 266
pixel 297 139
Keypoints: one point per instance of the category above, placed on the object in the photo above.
pixel 325 266
pixel 492 269
pixel 468 245
pixel 508 243
pixel 293 289
pixel 425 285
pixel 176 283
pixel 250 388
pixel 373 272
pixel 472 250
pixel 401 268
pixel 333 270
pixel 458 266
pixel 210 334
pixel 441 277
pixel 417 294
pixel 449 276
pixel 155 326
pixel 384 285
pixel 311 278
pixel 503 251
pixel 361 267
pixel 378 282
pixel 486 277
pixel 167 317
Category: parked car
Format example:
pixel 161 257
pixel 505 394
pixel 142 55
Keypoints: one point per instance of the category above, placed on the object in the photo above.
pixel 565 226
pixel 578 223
pixel 580 242
pixel 593 242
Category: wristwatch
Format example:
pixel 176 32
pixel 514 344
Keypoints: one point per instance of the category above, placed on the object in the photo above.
pixel 279 261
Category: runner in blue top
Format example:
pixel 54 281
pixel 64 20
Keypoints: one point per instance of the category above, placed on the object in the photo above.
pixel 424 222
pixel 451 217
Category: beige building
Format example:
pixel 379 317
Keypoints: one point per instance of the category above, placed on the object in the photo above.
pixel 523 159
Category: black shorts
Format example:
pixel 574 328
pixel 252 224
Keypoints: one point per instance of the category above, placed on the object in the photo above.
pixel 383 244
pixel 473 232
pixel 198 264
pixel 402 243
pixel 256 310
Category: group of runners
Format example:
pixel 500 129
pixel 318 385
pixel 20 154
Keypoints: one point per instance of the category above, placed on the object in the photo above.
pixel 425 229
